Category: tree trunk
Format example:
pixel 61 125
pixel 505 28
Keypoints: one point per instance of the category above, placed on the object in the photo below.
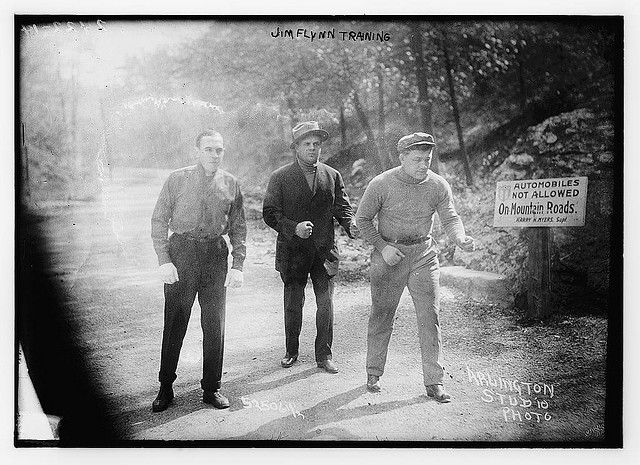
pixel 523 88
pixel 343 128
pixel 381 122
pixel 282 134
pixel 521 79
pixel 456 113
pixel 366 126
pixel 381 116
pixel 292 109
pixel 423 87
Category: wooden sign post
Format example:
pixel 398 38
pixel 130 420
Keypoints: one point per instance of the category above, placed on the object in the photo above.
pixel 540 204
pixel 539 282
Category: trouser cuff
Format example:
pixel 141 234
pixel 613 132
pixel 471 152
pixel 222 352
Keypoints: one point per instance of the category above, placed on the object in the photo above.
pixel 211 387
pixel 430 382
pixel 167 379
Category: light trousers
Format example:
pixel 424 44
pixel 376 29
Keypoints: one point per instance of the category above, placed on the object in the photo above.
pixel 419 270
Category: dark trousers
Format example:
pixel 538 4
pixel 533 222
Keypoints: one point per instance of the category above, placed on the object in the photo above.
pixel 202 270
pixel 294 285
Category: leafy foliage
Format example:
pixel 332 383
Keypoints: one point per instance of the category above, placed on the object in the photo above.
pixel 253 87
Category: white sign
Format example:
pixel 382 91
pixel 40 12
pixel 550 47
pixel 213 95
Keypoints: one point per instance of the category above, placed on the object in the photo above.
pixel 541 202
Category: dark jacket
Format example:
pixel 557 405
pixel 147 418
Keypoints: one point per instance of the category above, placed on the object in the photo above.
pixel 289 200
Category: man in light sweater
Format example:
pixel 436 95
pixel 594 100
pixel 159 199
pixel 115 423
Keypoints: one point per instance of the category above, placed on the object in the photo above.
pixel 404 199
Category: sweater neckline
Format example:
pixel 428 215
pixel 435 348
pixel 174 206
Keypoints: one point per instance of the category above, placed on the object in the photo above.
pixel 404 177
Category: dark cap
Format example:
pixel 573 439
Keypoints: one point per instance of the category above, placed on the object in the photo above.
pixel 307 128
pixel 417 138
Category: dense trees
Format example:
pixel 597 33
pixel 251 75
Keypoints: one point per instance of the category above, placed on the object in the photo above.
pixel 254 79
pixel 486 89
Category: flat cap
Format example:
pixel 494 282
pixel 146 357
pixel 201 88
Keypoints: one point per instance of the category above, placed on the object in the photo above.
pixel 417 138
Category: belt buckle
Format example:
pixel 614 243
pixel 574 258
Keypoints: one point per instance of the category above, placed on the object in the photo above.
pixel 416 241
pixel 202 239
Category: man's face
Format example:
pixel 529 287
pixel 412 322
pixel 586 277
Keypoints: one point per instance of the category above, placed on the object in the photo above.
pixel 416 162
pixel 211 153
pixel 308 149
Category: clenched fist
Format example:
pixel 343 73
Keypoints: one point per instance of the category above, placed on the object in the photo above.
pixel 353 232
pixel 234 278
pixel 168 273
pixel 467 244
pixel 391 255
pixel 304 229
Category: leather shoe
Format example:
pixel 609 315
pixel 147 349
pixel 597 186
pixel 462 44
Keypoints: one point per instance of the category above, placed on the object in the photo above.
pixel 164 398
pixel 437 392
pixel 328 366
pixel 216 399
pixel 288 360
pixel 372 383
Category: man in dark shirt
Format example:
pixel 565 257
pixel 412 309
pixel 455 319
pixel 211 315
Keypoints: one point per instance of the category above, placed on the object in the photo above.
pixel 301 201
pixel 199 204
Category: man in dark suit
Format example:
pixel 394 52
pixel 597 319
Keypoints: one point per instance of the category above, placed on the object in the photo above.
pixel 301 201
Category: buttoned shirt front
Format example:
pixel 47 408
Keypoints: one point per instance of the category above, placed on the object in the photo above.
pixel 200 207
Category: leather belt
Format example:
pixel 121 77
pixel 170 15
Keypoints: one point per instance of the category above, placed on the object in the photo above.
pixel 199 239
pixel 409 240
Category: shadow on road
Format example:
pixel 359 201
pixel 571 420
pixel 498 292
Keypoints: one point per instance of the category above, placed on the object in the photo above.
pixel 190 401
pixel 247 385
pixel 307 426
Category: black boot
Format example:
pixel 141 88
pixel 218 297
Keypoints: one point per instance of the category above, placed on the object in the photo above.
pixel 164 398
pixel 215 398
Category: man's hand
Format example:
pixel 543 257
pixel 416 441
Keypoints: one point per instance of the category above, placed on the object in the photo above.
pixel 304 229
pixel 391 255
pixel 467 244
pixel 168 273
pixel 234 278
pixel 354 231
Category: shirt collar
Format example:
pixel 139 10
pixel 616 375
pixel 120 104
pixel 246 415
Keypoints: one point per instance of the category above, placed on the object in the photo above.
pixel 203 173
pixel 307 167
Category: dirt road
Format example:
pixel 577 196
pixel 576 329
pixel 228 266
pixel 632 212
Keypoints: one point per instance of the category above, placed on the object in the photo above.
pixel 508 382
